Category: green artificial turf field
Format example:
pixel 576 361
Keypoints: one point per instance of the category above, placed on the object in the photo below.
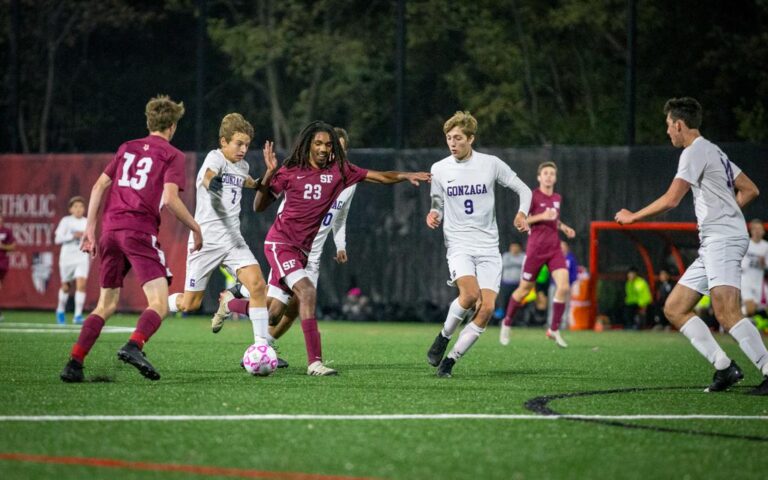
pixel 406 434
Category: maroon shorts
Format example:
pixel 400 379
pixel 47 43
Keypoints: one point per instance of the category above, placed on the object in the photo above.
pixel 121 250
pixel 534 260
pixel 3 272
pixel 283 260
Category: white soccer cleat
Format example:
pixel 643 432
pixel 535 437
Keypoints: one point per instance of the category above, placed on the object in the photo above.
pixel 504 334
pixel 222 313
pixel 317 369
pixel 555 335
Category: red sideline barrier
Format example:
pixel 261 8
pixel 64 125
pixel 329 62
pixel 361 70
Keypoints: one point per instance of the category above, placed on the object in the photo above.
pixel 34 192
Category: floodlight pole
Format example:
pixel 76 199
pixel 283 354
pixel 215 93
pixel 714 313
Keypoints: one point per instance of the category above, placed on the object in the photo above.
pixel 631 70
pixel 400 76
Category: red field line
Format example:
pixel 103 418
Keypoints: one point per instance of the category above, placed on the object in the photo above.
pixel 170 467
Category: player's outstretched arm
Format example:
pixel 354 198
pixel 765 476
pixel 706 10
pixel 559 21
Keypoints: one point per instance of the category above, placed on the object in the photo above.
pixel 746 190
pixel 172 201
pixel 94 205
pixel 374 176
pixel 668 201
pixel 264 198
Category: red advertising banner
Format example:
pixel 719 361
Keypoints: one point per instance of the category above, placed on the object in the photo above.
pixel 34 191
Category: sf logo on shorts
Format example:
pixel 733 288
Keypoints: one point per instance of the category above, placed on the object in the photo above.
pixel 289 264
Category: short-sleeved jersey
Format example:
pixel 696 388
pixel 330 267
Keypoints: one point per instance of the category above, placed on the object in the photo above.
pixel 139 172
pixel 65 236
pixel 219 215
pixel 336 220
pixel 711 176
pixel 544 236
pixel 469 205
pixel 6 238
pixel 755 261
pixel 309 194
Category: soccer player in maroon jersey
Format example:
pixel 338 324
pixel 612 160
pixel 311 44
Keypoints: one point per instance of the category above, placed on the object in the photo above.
pixel 543 249
pixel 310 178
pixel 145 175
pixel 7 244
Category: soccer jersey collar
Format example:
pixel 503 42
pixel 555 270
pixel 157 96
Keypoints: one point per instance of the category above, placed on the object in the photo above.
pixel 466 160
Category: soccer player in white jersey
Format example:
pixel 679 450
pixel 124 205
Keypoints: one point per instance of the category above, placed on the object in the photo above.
pixel 220 184
pixel 753 267
pixel 720 190
pixel 73 264
pixel 463 200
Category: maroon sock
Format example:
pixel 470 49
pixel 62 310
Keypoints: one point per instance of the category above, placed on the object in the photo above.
pixel 512 307
pixel 238 305
pixel 312 340
pixel 148 323
pixel 88 335
pixel 558 308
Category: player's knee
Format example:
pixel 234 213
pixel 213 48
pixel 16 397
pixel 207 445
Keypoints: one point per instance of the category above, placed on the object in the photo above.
pixel 65 287
pixel 469 297
pixel 257 287
pixel 673 313
pixel 190 304
pixel 484 313
pixel 160 308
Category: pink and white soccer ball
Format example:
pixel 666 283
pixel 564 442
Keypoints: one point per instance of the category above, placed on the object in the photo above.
pixel 260 359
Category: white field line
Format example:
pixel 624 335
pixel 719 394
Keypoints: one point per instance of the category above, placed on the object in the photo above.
pixel 54 328
pixel 284 417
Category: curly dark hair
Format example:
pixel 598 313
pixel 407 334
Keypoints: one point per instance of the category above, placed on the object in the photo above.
pixel 299 157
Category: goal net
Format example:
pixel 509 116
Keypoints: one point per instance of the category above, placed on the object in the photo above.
pixel 648 246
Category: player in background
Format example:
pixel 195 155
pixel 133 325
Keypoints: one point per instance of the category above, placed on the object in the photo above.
pixel 720 190
pixel 543 249
pixel 753 267
pixel 145 176
pixel 219 185
pixel 463 195
pixel 73 264
pixel 336 220
pixel 7 244
pixel 311 178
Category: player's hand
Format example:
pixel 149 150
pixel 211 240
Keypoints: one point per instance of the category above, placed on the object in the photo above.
pixel 624 217
pixel 197 240
pixel 568 231
pixel 521 223
pixel 433 220
pixel 416 177
pixel 270 159
pixel 216 184
pixel 88 243
pixel 550 214
pixel 341 256
pixel 77 235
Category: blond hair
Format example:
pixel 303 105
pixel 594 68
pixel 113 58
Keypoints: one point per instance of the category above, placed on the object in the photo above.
pixel 74 200
pixel 544 165
pixel 233 123
pixel 464 120
pixel 162 113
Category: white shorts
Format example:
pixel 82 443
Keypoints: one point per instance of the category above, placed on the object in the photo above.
pixel 486 268
pixel 752 287
pixel 72 270
pixel 202 263
pixel 718 263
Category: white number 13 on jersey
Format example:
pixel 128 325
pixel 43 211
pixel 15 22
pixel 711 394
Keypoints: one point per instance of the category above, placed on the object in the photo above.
pixel 139 180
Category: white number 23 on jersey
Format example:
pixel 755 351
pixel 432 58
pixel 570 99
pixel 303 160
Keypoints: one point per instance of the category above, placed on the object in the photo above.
pixel 139 180
pixel 312 192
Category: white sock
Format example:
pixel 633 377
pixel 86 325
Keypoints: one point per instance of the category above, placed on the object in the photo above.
pixel 703 341
pixel 454 318
pixel 244 292
pixel 260 321
pixel 744 310
pixel 79 302
pixel 751 343
pixel 172 307
pixel 467 338
pixel 63 297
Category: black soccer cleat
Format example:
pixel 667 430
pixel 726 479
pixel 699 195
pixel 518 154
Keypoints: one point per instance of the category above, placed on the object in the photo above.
pixel 444 370
pixel 235 290
pixel 437 350
pixel 725 379
pixel 761 389
pixel 131 354
pixel 73 372
pixel 281 363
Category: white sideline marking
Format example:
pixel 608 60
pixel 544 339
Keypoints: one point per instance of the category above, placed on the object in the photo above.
pixel 442 416
pixel 54 328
